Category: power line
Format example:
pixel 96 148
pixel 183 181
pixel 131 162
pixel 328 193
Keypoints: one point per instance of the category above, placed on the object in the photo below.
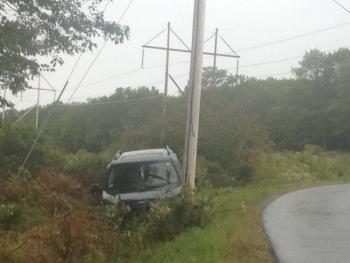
pixel 125 11
pixel 41 131
pixel 289 72
pixel 256 76
pixel 88 70
pixel 262 63
pixel 145 84
pixel 42 128
pixel 130 72
pixel 107 4
pixel 342 6
pixel 140 85
pixel 114 101
pixel 267 62
pixel 98 54
pixel 272 74
pixel 75 66
pixel 295 37
pixel 184 74
pixel 271 62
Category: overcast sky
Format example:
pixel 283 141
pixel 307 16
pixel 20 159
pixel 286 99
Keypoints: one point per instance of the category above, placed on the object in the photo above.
pixel 243 23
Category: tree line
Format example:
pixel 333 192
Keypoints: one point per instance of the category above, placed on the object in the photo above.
pixel 238 116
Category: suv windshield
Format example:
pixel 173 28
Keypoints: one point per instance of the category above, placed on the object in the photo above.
pixel 141 176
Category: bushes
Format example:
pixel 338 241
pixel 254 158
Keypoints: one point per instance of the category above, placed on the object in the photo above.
pixel 211 174
pixel 15 142
pixel 86 167
pixel 11 215
pixel 163 222
pixel 310 164
pixel 245 174
pixel 53 221
pixel 166 220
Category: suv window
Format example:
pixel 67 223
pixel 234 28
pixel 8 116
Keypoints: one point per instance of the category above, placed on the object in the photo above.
pixel 142 176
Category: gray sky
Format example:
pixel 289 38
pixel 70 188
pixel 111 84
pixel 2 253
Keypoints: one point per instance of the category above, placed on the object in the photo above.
pixel 243 23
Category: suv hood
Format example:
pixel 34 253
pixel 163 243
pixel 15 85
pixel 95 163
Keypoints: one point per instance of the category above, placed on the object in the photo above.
pixel 142 197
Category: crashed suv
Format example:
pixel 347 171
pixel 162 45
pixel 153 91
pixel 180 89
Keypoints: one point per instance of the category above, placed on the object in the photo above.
pixel 138 178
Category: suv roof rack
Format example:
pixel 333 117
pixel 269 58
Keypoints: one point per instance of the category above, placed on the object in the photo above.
pixel 169 151
pixel 117 155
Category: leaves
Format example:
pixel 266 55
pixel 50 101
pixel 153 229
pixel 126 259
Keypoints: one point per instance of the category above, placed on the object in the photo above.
pixel 48 29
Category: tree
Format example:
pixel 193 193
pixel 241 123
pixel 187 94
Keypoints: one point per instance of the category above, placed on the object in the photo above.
pixel 216 78
pixel 48 29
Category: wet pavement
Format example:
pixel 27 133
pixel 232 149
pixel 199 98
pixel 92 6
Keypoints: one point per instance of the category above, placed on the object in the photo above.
pixel 310 226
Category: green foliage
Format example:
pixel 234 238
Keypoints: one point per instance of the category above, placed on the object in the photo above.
pixel 237 116
pixel 11 215
pixel 86 167
pixel 15 142
pixel 306 165
pixel 242 121
pixel 168 219
pixel 29 29
pixel 164 221
pixel 245 174
pixel 211 174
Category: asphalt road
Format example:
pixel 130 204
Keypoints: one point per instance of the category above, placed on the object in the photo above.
pixel 310 226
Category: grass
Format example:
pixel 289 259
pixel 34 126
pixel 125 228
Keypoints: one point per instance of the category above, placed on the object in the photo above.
pixel 236 233
pixel 52 217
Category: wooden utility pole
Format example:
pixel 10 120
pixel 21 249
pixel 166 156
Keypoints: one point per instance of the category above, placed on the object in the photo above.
pixel 194 96
pixel 4 109
pixel 37 105
pixel 196 53
pixel 166 83
pixel 216 47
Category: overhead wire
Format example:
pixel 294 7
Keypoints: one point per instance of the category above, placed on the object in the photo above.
pixel 289 72
pixel 262 63
pixel 74 67
pixel 46 121
pixel 116 101
pixel 294 37
pixel 241 50
pixel 256 76
pixel 98 54
pixel 341 5
pixel 88 71
pixel 106 6
pixel 125 11
pixel 268 62
pixel 134 71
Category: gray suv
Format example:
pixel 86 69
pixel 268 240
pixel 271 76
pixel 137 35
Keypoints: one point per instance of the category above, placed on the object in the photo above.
pixel 140 177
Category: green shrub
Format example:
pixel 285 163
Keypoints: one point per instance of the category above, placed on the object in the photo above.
pixel 116 215
pixel 162 222
pixel 87 167
pixel 169 218
pixel 211 174
pixel 15 142
pixel 313 149
pixel 245 174
pixel 11 215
